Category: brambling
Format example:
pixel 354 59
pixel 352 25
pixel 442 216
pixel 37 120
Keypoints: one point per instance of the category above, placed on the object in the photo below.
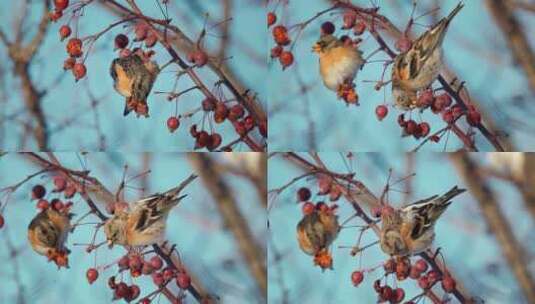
pixel 133 77
pixel 47 234
pixel 410 230
pixel 419 66
pixel 145 223
pixel 316 232
pixel 339 61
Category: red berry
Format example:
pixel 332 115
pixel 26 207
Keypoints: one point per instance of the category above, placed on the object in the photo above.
pixel 280 35
pixel 324 184
pixel 473 117
pixel 271 19
pixel 135 262
pixel 111 282
pixel 199 57
pixel 2 221
pixel 38 192
pixel 61 4
pixel 421 265
pixel 122 290
pixel 349 19
pixel 42 204
pixel 411 127
pixel 221 112
pixel 249 122
pixel 70 190
pixel 457 111
pixel 157 278
pixel 308 208
pixel 399 295
pixel 447 116
pixel 357 277
pixel 448 284
pixel 92 275
pixel 386 293
pixel 424 129
pixel 133 292
pixel 156 262
pixel 151 39
pixel 123 262
pixel 276 51
pixel 59 183
pixel 381 111
pixel 202 139
pixel 327 28
pixel 433 276
pixel 183 280
pixel 403 44
pixel 359 28
pixel 125 53
pixel 240 128
pixel 443 101
pixel 121 41
pixel 303 194
pixel 236 112
pixel 414 273
pixel 390 266
pixel 214 142
pixel 79 70
pixel 145 301
pixel 286 59
pixel 423 282
pixel 55 15
pixel 172 123
pixel 64 31
pixel 74 47
pixel 209 104
pixel 168 273
pixel 57 204
pixel 425 99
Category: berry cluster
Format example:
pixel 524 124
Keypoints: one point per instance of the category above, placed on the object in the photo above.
pixel 402 269
pixel 138 266
pixel 282 39
pixel 59 7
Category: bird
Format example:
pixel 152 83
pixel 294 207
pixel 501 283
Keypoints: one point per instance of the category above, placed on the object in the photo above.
pixel 316 232
pixel 339 61
pixel 420 65
pixel 133 77
pixel 145 223
pixel 411 229
pixel 47 234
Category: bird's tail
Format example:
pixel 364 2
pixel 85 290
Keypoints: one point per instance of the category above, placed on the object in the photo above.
pixel 454 12
pixel 446 197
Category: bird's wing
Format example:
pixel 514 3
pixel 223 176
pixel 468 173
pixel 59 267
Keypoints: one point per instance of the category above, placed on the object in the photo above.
pixel 45 232
pixel 149 210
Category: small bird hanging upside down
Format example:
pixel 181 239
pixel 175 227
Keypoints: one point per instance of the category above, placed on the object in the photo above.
pixel 316 232
pixel 339 61
pixel 411 229
pixel 47 234
pixel 133 77
pixel 418 67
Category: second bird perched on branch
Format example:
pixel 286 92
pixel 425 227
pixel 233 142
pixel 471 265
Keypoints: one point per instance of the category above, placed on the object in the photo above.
pixel 411 229
pixel 420 65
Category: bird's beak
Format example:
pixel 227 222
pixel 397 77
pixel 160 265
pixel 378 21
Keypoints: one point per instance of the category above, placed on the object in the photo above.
pixel 316 48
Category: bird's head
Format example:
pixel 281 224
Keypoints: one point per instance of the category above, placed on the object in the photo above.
pixel 326 42
pixel 114 228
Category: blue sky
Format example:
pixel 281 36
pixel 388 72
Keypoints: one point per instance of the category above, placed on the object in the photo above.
pixel 474 48
pixel 68 108
pixel 461 232
pixel 195 226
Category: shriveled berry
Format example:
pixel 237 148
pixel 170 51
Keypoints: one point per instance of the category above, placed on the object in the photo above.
pixel 125 53
pixel 271 18
pixel 357 277
pixel 79 71
pixel 92 275
pixel 199 57
pixel 193 131
pixel 308 208
pixel 70 190
pixel 69 63
pixel 183 280
pixel 61 4
pixel 135 262
pixel 172 124
pixel 324 184
pixel 303 194
pixel 236 112
pixel 156 262
pixel 389 266
pixel 121 41
pixel 64 31
pixel 327 28
pixel 111 282
pixel 381 111
pixel 38 192
pixel 151 39
pixel 140 31
pixel 55 15
pixel 402 270
pixel 74 47
pixel 57 204
pixel 276 51
pixel 286 59
pixel 123 263
pixel 401 120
